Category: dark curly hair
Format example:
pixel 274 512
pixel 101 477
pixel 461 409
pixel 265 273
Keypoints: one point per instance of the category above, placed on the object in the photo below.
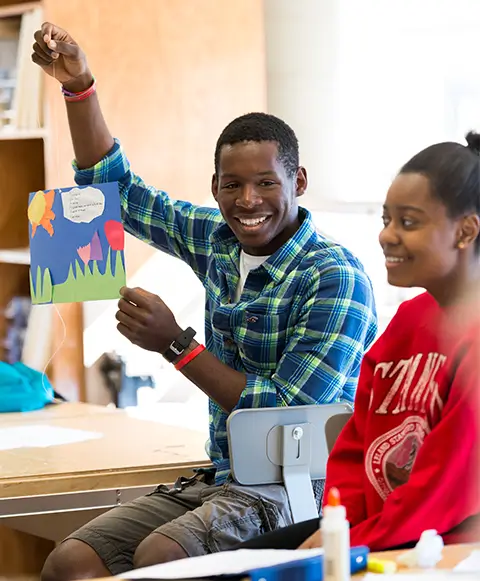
pixel 454 173
pixel 262 127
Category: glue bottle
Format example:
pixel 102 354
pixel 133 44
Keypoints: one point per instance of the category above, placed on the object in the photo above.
pixel 336 539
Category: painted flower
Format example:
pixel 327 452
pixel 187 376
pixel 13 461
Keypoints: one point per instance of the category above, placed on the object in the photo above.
pixel 96 248
pixel 115 234
pixel 84 252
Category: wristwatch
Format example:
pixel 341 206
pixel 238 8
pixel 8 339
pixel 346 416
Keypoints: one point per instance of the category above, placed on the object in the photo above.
pixel 178 346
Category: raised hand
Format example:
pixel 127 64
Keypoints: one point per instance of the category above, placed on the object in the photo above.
pixel 57 53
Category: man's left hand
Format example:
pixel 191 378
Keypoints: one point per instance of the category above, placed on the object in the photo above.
pixel 145 320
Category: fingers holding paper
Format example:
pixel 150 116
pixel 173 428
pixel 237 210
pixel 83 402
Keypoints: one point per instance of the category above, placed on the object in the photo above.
pixel 57 53
pixel 145 320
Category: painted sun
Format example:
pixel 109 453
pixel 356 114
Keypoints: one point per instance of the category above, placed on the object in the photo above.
pixel 40 211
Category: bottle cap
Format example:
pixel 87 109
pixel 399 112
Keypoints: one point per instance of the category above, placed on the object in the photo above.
pixel 333 498
pixel 334 508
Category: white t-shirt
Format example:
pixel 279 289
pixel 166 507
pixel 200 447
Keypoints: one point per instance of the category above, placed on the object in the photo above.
pixel 247 263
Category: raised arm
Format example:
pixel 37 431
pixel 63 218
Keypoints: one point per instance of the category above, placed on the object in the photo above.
pixel 59 56
pixel 175 227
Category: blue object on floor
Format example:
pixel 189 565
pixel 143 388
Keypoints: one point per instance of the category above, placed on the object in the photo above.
pixel 23 389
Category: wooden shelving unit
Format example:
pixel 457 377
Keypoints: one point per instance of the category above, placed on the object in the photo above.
pixel 22 170
pixel 27 164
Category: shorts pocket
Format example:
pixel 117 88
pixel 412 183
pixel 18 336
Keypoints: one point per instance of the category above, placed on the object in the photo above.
pixel 254 518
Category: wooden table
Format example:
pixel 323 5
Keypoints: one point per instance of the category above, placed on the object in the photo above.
pixel 452 555
pixel 49 492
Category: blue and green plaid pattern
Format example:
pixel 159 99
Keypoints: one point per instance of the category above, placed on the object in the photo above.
pixel 305 317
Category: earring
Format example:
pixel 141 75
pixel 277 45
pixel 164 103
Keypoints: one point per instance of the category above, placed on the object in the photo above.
pixel 461 245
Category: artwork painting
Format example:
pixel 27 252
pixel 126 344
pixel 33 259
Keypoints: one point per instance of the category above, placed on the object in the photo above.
pixel 76 244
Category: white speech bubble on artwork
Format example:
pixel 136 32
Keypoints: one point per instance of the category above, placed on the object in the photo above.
pixel 82 205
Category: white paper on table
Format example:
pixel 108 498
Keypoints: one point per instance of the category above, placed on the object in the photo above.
pixel 41 436
pixel 469 565
pixel 227 563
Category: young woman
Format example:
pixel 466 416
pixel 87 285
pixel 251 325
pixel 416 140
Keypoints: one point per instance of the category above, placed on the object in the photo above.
pixel 408 460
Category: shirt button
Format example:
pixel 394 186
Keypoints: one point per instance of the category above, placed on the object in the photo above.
pixel 229 342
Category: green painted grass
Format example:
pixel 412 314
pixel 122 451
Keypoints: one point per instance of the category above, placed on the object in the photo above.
pixel 82 285
pixel 43 292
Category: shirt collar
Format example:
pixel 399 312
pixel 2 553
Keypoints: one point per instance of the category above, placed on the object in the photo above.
pixel 226 249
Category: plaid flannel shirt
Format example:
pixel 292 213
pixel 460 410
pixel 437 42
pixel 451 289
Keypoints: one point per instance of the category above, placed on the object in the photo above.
pixel 304 319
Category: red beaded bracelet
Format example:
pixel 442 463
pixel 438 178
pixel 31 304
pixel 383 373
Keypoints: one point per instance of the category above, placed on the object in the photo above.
pixel 189 357
pixel 74 97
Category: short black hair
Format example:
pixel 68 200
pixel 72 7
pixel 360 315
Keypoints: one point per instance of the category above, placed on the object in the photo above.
pixel 454 173
pixel 262 127
pixel 453 170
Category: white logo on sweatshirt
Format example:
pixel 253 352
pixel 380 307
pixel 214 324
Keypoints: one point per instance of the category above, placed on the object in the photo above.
pixel 405 394
pixel 390 458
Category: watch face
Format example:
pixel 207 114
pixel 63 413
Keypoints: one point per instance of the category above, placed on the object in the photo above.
pixel 177 347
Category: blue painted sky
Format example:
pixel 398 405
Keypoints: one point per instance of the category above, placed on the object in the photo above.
pixel 60 250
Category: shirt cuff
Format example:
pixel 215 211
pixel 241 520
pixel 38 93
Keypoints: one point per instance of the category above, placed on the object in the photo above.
pixel 111 168
pixel 258 393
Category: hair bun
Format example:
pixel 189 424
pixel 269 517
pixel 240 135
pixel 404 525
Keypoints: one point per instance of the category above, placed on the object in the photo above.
pixel 473 142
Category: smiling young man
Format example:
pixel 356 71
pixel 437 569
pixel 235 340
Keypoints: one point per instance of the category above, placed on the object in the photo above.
pixel 288 317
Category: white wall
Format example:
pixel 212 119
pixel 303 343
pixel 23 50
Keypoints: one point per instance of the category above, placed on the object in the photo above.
pixel 368 83
pixel 302 43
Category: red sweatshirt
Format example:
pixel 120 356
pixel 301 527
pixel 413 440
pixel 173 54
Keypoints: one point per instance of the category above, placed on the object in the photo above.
pixel 408 460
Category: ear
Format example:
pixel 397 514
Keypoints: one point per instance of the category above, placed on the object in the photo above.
pixel 302 181
pixel 469 231
pixel 214 186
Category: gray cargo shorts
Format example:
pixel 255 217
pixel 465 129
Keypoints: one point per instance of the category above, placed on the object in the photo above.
pixel 201 517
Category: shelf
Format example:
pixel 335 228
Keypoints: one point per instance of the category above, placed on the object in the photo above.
pixel 8 83
pixel 15 256
pixel 17 9
pixel 9 134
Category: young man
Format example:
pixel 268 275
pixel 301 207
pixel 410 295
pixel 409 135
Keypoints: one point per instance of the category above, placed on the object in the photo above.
pixel 288 317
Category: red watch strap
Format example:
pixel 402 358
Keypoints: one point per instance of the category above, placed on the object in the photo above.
pixel 189 357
